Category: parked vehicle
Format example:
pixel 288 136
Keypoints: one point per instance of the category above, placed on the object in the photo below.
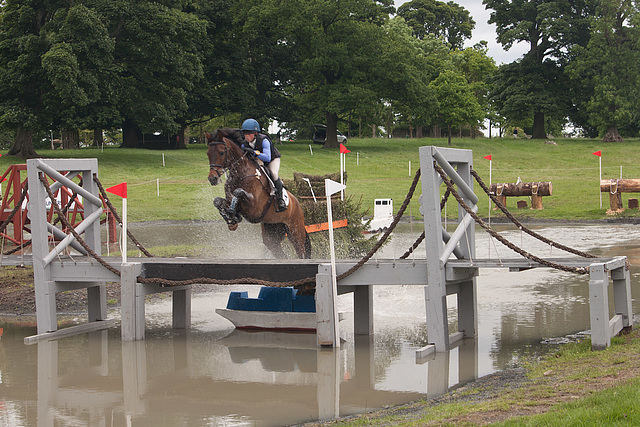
pixel 320 135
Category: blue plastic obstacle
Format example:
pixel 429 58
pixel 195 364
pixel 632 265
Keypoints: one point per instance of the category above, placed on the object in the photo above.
pixel 272 299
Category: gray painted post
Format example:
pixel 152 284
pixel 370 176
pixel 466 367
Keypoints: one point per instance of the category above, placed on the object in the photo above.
pixel 128 312
pixel 622 295
pixel 363 310
pixel 457 164
pixel 327 331
pixel 467 305
pixel 435 292
pixel 599 307
pixel 181 304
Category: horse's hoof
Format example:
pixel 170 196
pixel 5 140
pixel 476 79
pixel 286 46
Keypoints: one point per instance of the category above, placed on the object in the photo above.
pixel 233 227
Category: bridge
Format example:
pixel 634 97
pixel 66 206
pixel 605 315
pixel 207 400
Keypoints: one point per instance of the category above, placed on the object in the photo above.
pixel 450 266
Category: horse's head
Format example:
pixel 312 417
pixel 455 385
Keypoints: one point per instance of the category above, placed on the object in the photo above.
pixel 223 151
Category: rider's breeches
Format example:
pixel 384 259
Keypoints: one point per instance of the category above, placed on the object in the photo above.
pixel 274 167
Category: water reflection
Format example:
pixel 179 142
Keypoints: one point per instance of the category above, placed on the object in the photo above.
pixel 212 375
pixel 256 378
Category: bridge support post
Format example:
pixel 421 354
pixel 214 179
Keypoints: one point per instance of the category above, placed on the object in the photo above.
pixel 440 282
pixel 604 327
pixel 327 330
pixel 133 299
pixel 363 310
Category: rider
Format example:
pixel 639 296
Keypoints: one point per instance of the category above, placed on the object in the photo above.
pixel 266 151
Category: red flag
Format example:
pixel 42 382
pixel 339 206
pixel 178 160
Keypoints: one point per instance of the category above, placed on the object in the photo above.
pixel 119 190
pixel 487 157
pixel 598 153
pixel 343 149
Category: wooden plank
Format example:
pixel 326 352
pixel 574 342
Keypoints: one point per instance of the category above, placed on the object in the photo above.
pixel 71 330
pixel 312 228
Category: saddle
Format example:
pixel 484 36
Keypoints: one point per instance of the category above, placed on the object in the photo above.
pixel 272 187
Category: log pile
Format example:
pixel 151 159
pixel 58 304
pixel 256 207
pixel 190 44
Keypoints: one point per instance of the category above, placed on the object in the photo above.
pixel 617 186
pixel 536 190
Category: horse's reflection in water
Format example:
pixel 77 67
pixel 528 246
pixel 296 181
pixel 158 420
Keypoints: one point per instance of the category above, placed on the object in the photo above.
pixel 248 195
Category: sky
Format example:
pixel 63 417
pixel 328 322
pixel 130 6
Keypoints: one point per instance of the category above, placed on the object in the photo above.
pixel 485 31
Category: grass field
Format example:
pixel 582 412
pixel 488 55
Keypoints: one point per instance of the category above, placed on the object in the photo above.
pixel 376 168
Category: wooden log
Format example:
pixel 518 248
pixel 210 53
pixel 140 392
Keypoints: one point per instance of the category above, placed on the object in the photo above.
pixel 522 204
pixel 615 202
pixel 633 204
pixel 543 188
pixel 620 185
pixel 502 200
pixel 536 202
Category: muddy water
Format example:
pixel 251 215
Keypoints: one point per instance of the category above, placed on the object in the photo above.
pixel 213 375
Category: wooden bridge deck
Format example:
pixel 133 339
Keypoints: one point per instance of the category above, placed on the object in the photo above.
pixel 374 272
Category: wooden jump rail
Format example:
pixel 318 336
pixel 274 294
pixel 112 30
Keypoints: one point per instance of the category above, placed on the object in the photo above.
pixel 536 190
pixel 617 186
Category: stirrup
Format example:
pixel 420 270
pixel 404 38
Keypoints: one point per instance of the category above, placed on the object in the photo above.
pixel 280 205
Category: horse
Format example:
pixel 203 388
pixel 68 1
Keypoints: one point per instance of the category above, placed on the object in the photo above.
pixel 249 195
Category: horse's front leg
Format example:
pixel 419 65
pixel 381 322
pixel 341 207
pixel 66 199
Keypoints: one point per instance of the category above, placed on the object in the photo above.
pixel 229 210
pixel 238 196
pixel 231 217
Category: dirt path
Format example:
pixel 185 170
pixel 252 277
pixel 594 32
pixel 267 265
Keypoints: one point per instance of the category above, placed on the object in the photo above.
pixel 17 294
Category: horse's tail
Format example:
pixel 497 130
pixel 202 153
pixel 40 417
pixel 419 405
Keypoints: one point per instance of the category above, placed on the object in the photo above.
pixel 307 245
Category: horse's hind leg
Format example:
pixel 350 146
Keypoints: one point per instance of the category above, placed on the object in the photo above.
pixel 301 242
pixel 272 235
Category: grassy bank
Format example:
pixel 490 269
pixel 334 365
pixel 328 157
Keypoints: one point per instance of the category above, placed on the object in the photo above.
pixel 376 168
pixel 575 386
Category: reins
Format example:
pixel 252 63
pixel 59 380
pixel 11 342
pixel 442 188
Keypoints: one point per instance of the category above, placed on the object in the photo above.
pixel 232 167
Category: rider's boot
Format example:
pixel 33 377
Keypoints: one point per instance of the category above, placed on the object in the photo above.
pixel 280 205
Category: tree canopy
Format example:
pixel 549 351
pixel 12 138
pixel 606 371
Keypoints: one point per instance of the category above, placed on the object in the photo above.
pixel 535 86
pixel 160 66
pixel 448 20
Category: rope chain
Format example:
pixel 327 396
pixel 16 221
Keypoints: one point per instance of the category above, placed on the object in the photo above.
pixel 68 226
pixel 113 211
pixel 388 232
pixel 497 236
pixel 522 227
pixel 306 282
pixel 421 238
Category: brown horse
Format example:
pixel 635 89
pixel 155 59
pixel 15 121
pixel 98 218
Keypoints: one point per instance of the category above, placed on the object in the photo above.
pixel 248 194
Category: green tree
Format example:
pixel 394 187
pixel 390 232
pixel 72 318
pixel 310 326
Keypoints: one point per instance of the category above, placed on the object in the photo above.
pixel 336 46
pixel 157 62
pixel 407 66
pixel 448 20
pixel 535 85
pixel 457 103
pixel 225 89
pixel 51 57
pixel 479 69
pixel 610 64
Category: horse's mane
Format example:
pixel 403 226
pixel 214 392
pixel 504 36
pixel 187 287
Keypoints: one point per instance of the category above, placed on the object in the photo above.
pixel 234 135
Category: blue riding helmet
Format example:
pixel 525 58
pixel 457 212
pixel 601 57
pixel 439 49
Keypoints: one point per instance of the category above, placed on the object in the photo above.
pixel 250 125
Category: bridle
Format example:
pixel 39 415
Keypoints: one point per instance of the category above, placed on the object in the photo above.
pixel 226 165
pixel 216 166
